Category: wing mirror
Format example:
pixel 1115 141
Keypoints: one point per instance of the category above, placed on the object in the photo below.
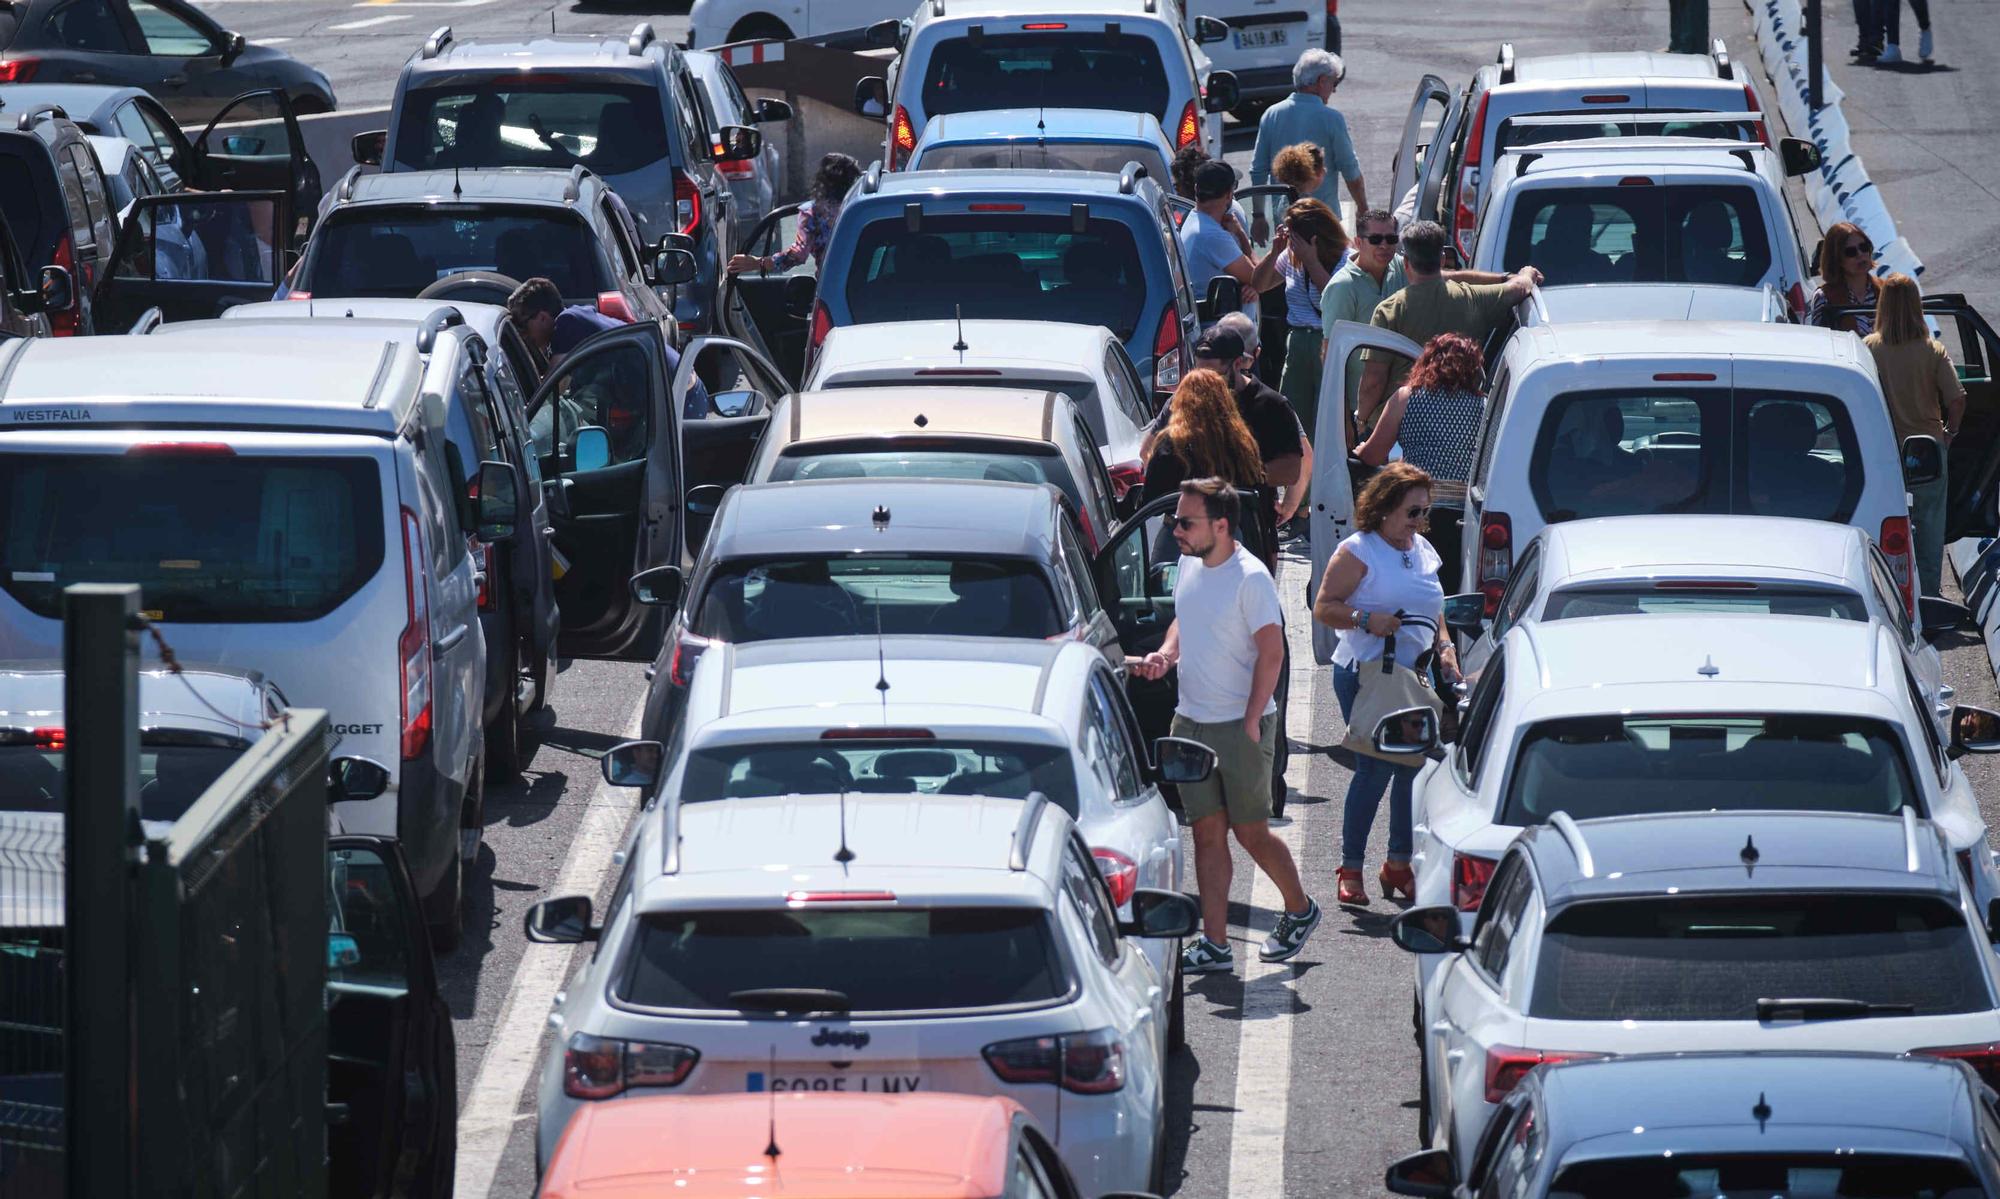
pixel 354 778
pixel 233 45
pixel 1941 616
pixel 1923 460
pixel 1428 930
pixel 1161 914
pixel 633 764
pixel 673 267
pixel 1800 156
pixel 676 241
pixel 658 586
pixel 705 499
pixel 740 143
pixel 733 403
pixel 799 293
pixel 1225 295
pixel 884 35
pixel 368 148
pixel 499 502
pixel 58 289
pixel 564 920
pixel 1466 613
pixel 1222 92
pixel 1183 761
pixel 1431 1174
pixel 1209 29
pixel 592 448
pixel 769 111
pixel 1974 731
pixel 1408 732
pixel 871 96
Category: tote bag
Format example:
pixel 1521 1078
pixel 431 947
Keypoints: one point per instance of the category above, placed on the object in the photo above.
pixel 1386 687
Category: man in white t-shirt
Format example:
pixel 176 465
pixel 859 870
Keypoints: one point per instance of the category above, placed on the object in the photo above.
pixel 1228 640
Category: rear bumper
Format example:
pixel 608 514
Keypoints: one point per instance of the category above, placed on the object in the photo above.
pixel 1264 83
pixel 1106 1144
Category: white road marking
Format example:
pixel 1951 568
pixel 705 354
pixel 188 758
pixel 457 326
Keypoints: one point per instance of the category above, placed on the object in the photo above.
pixel 1264 1045
pixel 425 3
pixel 366 22
pixel 489 1116
pixel 269 41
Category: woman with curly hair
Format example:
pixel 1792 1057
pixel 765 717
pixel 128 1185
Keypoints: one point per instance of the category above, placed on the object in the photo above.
pixel 1205 438
pixel 1309 248
pixel 1435 417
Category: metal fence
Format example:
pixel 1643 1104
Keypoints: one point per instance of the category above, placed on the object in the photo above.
pixel 31 1004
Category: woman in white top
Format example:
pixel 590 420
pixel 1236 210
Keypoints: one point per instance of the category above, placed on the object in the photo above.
pixel 1379 581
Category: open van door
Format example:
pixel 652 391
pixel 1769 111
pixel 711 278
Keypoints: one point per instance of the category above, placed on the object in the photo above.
pixel 773 312
pixel 255 142
pixel 391 1061
pixel 192 255
pixel 1135 572
pixel 740 385
pixel 1431 119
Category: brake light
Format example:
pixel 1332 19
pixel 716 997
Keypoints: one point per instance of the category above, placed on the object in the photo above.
pixel 1047 25
pixel 687 204
pixel 1750 104
pixel 613 305
pixel 1468 180
pixel 1683 377
pixel 1635 181
pixel 1469 876
pixel 414 647
pixel 1189 128
pixel 1506 1066
pixel 1496 557
pixel 822 323
pixel 795 898
pixel 876 733
pixel 902 138
pixel 1091 1063
pixel 687 648
pixel 599 1067
pixel 1896 547
pixel 187 449
pixel 1983 1058
pixel 958 371
pixel 69 321
pixel 1125 476
pixel 17 70
pixel 1608 99
pixel 298 295
pixel 50 737
pixel 1798 296
pixel 1121 874
pixel 997 207
pixel 1167 352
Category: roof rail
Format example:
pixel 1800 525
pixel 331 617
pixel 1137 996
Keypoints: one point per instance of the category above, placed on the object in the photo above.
pixel 1152 5
pixel 1024 832
pixel 872 181
pixel 344 190
pixel 573 186
pixel 36 113
pixel 434 44
pixel 1506 62
pixel 1744 156
pixel 642 37
pixel 1129 176
pixel 1720 53
pixel 1912 861
pixel 1569 832
pixel 1523 162
pixel 438 321
pixel 148 321
pixel 937 8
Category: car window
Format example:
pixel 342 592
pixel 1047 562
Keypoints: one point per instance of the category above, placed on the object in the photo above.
pixel 1522 587
pixel 1688 597
pixel 1083 446
pixel 1513 135
pixel 1085 885
pixel 1889 596
pixel 174 769
pixel 610 389
pixel 367 931
pixel 692 108
pixel 628 254
pixel 532 119
pixel 440 510
pixel 88 25
pixel 1515 1155
pixel 1625 453
pixel 1500 918
pixel 82 227
pixel 1496 408
pixel 1926 718
pixel 845 460
pixel 1799 458
pixel 1093 69
pixel 396 252
pixel 853 595
pixel 1677 234
pixel 1027 1180
pixel 1477 727
pixel 168 34
pixel 949 765
pixel 1026 155
pixel 1841 1172
pixel 1126 390
pixel 1081 571
pixel 1106 734
pixel 1498 1134
pixel 91 182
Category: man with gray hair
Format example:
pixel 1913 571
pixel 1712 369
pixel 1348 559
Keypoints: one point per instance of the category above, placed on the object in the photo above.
pixel 1308 116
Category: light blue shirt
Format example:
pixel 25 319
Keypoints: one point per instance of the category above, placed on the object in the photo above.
pixel 1207 249
pixel 1304 117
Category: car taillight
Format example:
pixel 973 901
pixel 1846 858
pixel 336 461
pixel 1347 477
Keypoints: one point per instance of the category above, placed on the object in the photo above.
pixel 1496 557
pixel 1895 543
pixel 414 647
pixel 599 1067
pixel 1468 181
pixel 744 168
pixel 1091 1063
pixel 822 323
pixel 1750 104
pixel 49 737
pixel 298 295
pixel 613 305
pixel 687 648
pixel 1189 128
pixel 1506 1066
pixel 1798 298
pixel 1121 873
pixel 1125 476
pixel 1469 876
pixel 687 203
pixel 1983 1058
pixel 68 322
pixel 17 70
pixel 1167 352
pixel 902 138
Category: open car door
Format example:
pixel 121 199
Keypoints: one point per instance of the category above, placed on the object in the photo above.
pixel 772 312
pixel 608 437
pixel 719 436
pixel 1420 127
pixel 1136 569
pixel 255 142
pixel 391 1062
pixel 192 255
pixel 1972 466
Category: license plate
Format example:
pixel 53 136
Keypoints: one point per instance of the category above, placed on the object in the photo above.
pixel 855 1082
pixel 1258 39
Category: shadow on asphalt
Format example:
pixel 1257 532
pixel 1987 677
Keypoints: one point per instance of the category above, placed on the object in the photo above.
pixel 1183 1068
pixel 1226 991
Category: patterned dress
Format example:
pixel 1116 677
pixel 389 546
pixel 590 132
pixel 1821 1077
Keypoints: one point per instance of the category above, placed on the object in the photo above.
pixel 1437 435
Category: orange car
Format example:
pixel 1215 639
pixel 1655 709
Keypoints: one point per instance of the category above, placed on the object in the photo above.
pixel 829 1147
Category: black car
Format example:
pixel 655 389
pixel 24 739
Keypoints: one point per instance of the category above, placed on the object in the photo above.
pixel 56 200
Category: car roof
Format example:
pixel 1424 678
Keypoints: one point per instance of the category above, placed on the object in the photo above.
pixel 84 102
pixel 1597 64
pixel 514 185
pixel 1095 123
pixel 1654 301
pixel 864 1146
pixel 200 699
pixel 483 319
pixel 607 51
pixel 1640 547
pixel 1061 350
pixel 1628 156
pixel 1716 340
pixel 937 516
pixel 873 412
pixel 946 184
pixel 953 10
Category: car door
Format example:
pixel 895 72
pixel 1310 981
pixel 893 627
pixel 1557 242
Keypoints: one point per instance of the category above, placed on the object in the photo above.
pixel 1972 471
pixel 141 121
pixel 1472 1013
pixel 719 437
pixel 1431 107
pixel 391 1068
pixel 1135 571
pixel 771 311
pixel 255 142
pixel 179 55
pixel 192 255
pixel 618 512
pixel 534 573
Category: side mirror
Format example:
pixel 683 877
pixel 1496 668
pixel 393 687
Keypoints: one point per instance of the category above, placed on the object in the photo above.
pixel 1161 914
pixel 676 241
pixel 1993 920
pixel 705 499
pixel 1431 1173
pixel 1923 460
pixel 233 45
pixel 242 144
pixel 1209 29
pixel 1428 930
pixel 1183 761
pixel 1974 731
pixel 658 586
pixel 561 921
pixel 58 289
pixel 884 35
pixel 733 403
pixel 799 293
pixel 871 96
pixel 1800 156
pixel 1407 731
pixel 671 268
pixel 354 778
pixel 1941 616
pixel 1465 613
pixel 770 111
pixel 591 449
pixel 633 764
pixel 740 143
pixel 368 148
pixel 1222 92
pixel 499 502
pixel 1225 295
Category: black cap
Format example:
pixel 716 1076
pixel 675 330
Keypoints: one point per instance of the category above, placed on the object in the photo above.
pixel 1219 345
pixel 1214 180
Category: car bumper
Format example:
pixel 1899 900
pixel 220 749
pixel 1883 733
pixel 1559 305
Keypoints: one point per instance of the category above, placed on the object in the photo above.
pixel 1262 83
pixel 1107 1143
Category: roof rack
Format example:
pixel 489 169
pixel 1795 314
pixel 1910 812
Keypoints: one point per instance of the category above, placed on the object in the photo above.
pixel 1152 5
pixel 36 113
pixel 1128 178
pixel 872 181
pixel 152 318
pixel 1912 861
pixel 434 44
pixel 1569 832
pixel 937 8
pixel 1506 62
pixel 1024 832
pixel 344 190
pixel 573 186
pixel 438 321
pixel 1720 53
pixel 642 37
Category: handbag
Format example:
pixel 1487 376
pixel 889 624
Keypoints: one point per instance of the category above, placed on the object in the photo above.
pixel 1388 686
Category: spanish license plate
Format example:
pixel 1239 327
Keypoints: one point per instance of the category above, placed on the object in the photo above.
pixel 1262 37
pixel 854 1082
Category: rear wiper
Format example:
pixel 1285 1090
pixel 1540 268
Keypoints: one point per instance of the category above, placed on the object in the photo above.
pixel 1829 1009
pixel 796 1001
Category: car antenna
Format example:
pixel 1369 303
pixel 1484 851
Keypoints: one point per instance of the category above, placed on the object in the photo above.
pixel 457 192
pixel 1041 126
pixel 552 18
pixel 844 855
pixel 1749 854
pixel 958 310
pixel 771 1149
pixel 1762 1112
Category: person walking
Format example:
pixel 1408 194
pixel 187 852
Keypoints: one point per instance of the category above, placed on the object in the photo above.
pixel 1307 115
pixel 1847 280
pixel 1687 23
pixel 831 182
pixel 1377 583
pixel 1228 643
pixel 1925 399
pixel 1435 418
pixel 1311 245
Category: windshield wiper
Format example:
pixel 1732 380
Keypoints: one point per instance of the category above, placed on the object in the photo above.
pixel 795 1001
pixel 1830 1009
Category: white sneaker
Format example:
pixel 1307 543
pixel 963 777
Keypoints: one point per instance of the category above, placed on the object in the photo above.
pixel 1924 45
pixel 1891 55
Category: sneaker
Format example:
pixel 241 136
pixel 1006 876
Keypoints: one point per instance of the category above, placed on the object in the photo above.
pixel 1924 46
pixel 1203 956
pixel 1891 55
pixel 1290 936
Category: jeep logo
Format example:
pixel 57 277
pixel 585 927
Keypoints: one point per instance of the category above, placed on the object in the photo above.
pixel 835 1036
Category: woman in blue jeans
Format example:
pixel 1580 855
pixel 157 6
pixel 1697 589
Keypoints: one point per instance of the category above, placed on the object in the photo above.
pixel 1378 581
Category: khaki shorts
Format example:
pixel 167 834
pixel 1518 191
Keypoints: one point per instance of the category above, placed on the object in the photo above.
pixel 1241 783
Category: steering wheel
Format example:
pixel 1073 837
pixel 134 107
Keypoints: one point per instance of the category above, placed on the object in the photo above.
pixel 473 287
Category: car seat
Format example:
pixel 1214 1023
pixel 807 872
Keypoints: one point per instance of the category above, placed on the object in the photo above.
pixel 1786 478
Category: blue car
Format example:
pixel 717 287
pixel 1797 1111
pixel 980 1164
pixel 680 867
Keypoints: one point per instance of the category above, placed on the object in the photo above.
pixel 1046 139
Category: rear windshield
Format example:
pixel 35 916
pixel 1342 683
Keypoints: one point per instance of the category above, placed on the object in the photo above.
pixel 998 266
pixel 1081 392
pixel 1633 765
pixel 849 596
pixel 1842 1175
pixel 1677 234
pixel 1714 958
pixel 813 462
pixel 21 201
pixel 397 252
pixel 891 960
pixel 1693 597
pixel 1046 69
pixel 542 120
pixel 1761 453
pixel 1514 134
pixel 929 767
pixel 173 772
pixel 220 539
pixel 1108 157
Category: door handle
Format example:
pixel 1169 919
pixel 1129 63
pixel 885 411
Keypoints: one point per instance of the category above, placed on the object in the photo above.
pixel 175 80
pixel 1454 1056
pixel 83 77
pixel 446 642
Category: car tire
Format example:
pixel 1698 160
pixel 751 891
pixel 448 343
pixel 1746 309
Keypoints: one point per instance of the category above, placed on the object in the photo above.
pixel 503 736
pixel 1177 1009
pixel 760 25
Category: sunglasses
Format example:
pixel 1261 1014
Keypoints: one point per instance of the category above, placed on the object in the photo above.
pixel 1853 250
pixel 1416 513
pixel 1184 523
pixel 1381 239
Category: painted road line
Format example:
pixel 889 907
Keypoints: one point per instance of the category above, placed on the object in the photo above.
pixel 488 1118
pixel 1264 1048
pixel 370 21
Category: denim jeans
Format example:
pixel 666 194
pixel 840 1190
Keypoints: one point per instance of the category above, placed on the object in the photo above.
pixel 1372 776
pixel 1927 517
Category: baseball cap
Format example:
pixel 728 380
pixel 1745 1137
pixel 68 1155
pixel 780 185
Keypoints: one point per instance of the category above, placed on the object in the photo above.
pixel 1214 180
pixel 1219 345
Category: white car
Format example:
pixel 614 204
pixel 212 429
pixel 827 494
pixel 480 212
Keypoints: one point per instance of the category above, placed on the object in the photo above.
pixel 1045 139
pixel 874 943
pixel 718 22
pixel 751 180
pixel 1716 931
pixel 1265 41
pixel 1087 363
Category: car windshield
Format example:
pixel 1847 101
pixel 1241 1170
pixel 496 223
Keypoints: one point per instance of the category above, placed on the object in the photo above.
pixel 1690 597
pixel 208 537
pixel 930 766
pixel 883 960
pixel 1713 958
pixel 1677 234
pixel 398 252
pixel 532 120
pixel 811 460
pixel 1022 154
pixel 850 595
pixel 1633 765
pixel 1842 1175
pixel 1046 69
pixel 999 265
pixel 1515 134
pixel 173 772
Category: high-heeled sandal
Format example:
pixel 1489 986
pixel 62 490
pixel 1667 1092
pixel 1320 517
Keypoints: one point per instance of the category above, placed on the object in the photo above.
pixel 1350 891
pixel 1397 876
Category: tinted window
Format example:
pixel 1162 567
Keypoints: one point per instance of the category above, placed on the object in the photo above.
pixel 1801 458
pixel 1623 124
pixel 837 597
pixel 21 199
pixel 1046 69
pixel 207 538
pixel 1086 886
pixel 609 388
pixel 167 34
pixel 173 772
pixel 1044 156
pixel 367 933
pixel 928 766
pixel 1628 765
pixel 894 960
pixel 810 461
pixel 1692 597
pixel 1500 918
pixel 1847 1174
pixel 1673 234
pixel 396 253
pixel 88 25
pixel 998 266
pixel 1714 958
pixel 538 121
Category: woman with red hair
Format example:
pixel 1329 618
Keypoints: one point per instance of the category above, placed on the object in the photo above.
pixel 1435 417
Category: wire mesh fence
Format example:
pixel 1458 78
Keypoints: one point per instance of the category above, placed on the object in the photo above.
pixel 31 1004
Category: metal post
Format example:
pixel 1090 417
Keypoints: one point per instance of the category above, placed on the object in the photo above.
pixel 1815 55
pixel 101 827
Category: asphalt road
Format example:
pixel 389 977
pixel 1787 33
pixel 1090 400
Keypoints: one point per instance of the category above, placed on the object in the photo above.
pixel 1299 1080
